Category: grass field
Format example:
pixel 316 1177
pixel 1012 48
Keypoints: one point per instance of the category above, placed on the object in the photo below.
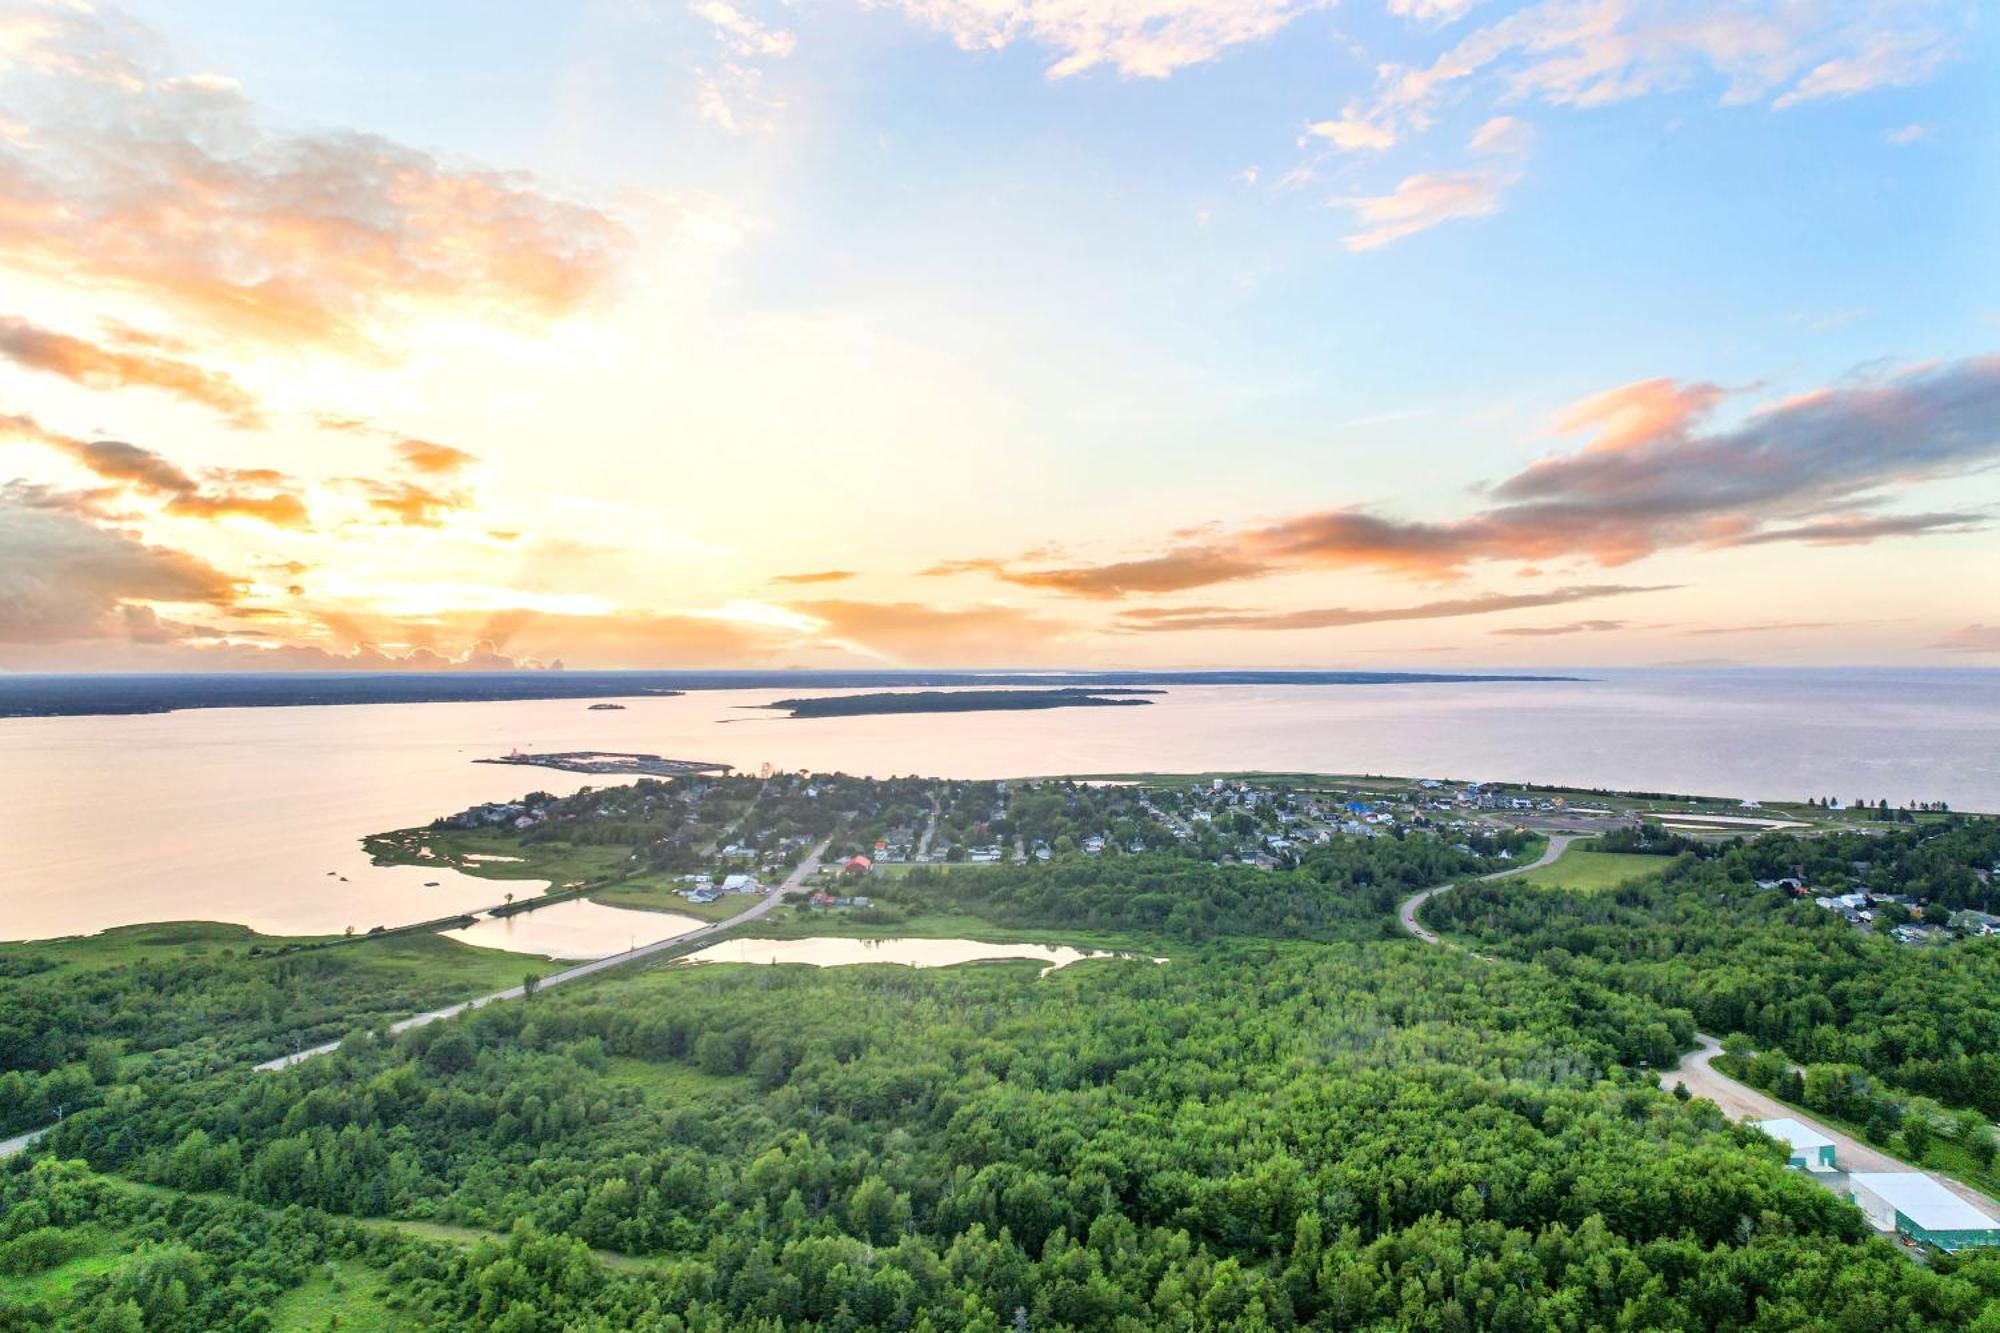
pixel 1581 870
pixel 661 893
pixel 347 1296
pixel 54 1284
pixel 416 954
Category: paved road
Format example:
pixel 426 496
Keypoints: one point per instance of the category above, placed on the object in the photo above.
pixel 1739 1101
pixel 771 899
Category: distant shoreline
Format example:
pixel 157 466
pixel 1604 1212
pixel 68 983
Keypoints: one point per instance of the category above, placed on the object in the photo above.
pixel 960 701
pixel 118 695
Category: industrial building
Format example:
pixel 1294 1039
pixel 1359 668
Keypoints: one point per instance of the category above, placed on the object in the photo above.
pixel 1919 1207
pixel 1811 1150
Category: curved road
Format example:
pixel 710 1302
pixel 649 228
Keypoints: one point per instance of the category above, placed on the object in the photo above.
pixel 1739 1101
pixel 772 897
pixel 1407 913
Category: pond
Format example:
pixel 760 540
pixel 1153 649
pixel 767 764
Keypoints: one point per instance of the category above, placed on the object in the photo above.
pixel 578 929
pixel 830 951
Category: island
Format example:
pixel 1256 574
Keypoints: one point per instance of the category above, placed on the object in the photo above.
pixel 958 701
pixel 610 761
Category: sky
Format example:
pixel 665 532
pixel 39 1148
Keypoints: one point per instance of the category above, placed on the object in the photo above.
pixel 988 333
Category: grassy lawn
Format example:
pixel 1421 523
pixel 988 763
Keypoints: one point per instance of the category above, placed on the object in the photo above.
pixel 661 893
pixel 675 1083
pixel 1582 871
pixel 54 1285
pixel 345 1295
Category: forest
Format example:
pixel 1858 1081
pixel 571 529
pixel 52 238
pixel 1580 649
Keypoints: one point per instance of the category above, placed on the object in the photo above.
pixel 1297 1118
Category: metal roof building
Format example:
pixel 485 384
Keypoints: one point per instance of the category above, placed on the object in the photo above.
pixel 1811 1150
pixel 1919 1207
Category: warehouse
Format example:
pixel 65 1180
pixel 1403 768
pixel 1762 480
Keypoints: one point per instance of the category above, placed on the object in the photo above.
pixel 1920 1208
pixel 1811 1150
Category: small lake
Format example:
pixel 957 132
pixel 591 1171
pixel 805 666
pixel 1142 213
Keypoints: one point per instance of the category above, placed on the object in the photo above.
pixel 827 951
pixel 578 929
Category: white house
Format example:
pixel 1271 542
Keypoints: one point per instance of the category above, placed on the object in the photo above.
pixel 1917 1206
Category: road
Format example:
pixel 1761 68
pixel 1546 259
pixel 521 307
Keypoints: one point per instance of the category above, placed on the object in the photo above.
pixel 1739 1101
pixel 800 873
pixel 1407 913
pixel 20 1143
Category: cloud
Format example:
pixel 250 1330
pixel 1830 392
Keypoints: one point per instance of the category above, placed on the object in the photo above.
pixel 1439 12
pixel 1773 627
pixel 917 632
pixel 1152 619
pixel 1905 135
pixel 98 367
pixel 172 188
pixel 1648 410
pixel 1590 53
pixel 1651 475
pixel 1859 529
pixel 745 36
pixel 62 577
pixel 1549 631
pixel 1421 202
pixel 1189 567
pixel 408 503
pixel 816 576
pixel 1502 136
pixel 1138 38
pixel 259 493
pixel 434 460
pixel 1976 638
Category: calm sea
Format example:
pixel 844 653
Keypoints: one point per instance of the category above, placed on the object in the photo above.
pixel 254 815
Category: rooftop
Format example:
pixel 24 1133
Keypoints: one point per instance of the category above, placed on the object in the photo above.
pixel 1794 1133
pixel 1922 1200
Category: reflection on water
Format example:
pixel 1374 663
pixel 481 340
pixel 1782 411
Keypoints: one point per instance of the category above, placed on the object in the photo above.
pixel 829 951
pixel 254 815
pixel 577 929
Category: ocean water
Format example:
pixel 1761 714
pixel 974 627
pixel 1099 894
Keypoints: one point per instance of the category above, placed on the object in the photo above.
pixel 255 815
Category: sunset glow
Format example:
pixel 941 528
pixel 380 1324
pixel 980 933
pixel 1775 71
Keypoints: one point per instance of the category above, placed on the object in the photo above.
pixel 1095 333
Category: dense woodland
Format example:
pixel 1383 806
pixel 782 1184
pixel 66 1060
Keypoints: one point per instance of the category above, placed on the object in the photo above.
pixel 1784 972
pixel 1301 1118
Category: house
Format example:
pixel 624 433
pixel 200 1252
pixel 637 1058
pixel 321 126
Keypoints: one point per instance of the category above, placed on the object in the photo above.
pixel 1811 1150
pixel 1975 923
pixel 739 884
pixel 856 865
pixel 1917 1206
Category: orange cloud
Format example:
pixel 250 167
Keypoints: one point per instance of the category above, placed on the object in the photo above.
pixel 917 632
pixel 64 578
pixel 1638 413
pixel 105 368
pixel 148 473
pixel 434 459
pixel 1810 469
pixel 407 502
pixel 173 189
pixel 816 576
pixel 1188 567
pixel 1155 619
